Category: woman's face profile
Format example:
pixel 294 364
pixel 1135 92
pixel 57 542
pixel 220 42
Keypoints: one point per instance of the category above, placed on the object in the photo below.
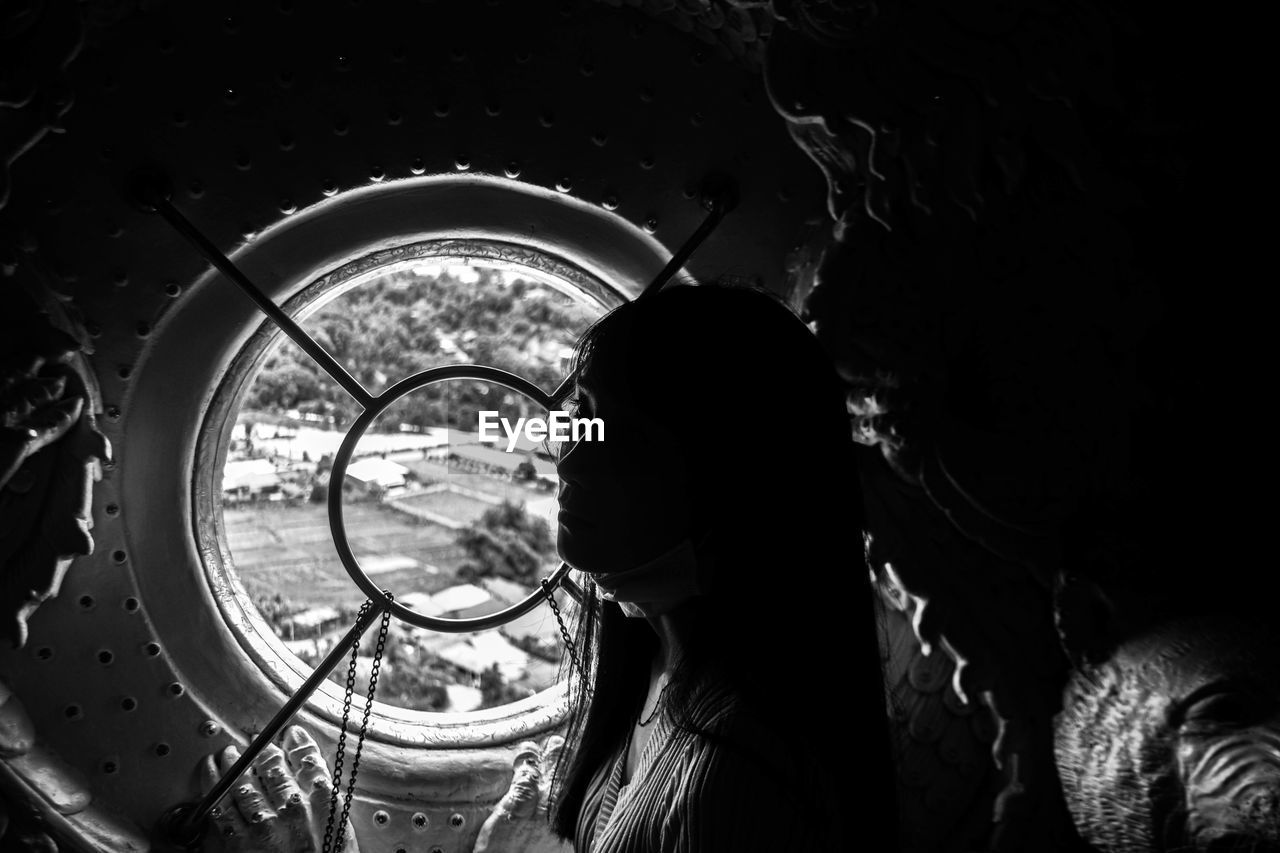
pixel 623 500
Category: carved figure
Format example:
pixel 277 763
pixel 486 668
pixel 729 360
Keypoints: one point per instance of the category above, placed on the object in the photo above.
pixel 1173 743
pixel 50 449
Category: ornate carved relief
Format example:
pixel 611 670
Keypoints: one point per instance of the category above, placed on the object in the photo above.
pixel 50 450
pixel 983 299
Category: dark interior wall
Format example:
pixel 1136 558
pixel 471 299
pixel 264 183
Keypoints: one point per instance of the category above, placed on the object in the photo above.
pixel 265 114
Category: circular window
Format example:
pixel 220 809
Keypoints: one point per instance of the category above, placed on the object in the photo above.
pixel 447 503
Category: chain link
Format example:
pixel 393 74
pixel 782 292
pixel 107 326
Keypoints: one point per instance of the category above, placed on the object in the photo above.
pixel 333 841
pixel 340 752
pixel 549 591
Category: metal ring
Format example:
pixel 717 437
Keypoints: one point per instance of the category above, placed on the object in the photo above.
pixel 338 476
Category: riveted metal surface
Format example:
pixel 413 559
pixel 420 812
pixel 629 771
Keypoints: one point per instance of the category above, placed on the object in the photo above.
pixel 577 129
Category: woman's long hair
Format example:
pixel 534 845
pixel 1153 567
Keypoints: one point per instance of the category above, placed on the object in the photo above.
pixel 790 621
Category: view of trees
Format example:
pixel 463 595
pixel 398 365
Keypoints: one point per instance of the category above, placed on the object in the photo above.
pixel 383 331
pixel 506 542
pixel 403 323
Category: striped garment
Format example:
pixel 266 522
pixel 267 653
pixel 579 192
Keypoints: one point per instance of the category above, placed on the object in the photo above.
pixel 690 794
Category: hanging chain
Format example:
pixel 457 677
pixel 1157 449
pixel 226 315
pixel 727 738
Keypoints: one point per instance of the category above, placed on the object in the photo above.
pixel 333 841
pixel 549 591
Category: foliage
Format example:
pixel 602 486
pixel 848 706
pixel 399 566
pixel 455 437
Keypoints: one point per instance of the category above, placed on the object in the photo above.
pixel 506 542
pixel 401 323
pixel 495 691
pixel 276 609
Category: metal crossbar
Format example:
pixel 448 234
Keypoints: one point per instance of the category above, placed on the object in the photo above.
pixel 183 824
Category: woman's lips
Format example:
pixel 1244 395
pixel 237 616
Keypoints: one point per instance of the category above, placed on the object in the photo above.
pixel 574 518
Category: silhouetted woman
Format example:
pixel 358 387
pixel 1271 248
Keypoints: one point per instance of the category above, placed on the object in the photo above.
pixel 733 697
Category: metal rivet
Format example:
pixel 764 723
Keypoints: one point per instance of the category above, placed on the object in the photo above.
pixel 118 556
pixel 564 185
pixel 689 191
pixel 285 79
pixel 244 161
pixel 125 371
pixel 784 194
pixel 651 224
pixel 110 766
pixel 394 117
pixel 610 202
pixel 143 329
pixel 113 414
pixel 209 728
pixel 512 169
pixel 287 206
pixel 523 55
pixel 286 141
pixel 162 749
pixel 128 703
pixel 547 118
pixel 328 187
pixel 398 53
pixel 112 509
pixel 172 289
pixel 417 166
pixel 86 602
pixel 381 818
pixel 600 138
pixel 73 712
pixel 376 173
pixel 493 108
pixel 442 109
pixel 587 69
pixel 105 657
pixel 179 118
pixel 457 821
pixel 462 164
pixel 151 649
pixel 131 604
pixel 341 125
pixel 114 229
pixel 646 95
pixel 176 689
pixel 646 162
pixel 697 119
pixel 44 653
pixel 119 278
pixel 420 820
pixel 247 231
pixel 165 45
pixel 195 189
pixel 457 54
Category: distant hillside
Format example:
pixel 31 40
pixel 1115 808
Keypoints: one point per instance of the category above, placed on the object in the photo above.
pixel 403 323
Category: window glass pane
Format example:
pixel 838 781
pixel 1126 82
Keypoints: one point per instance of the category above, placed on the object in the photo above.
pixel 454 523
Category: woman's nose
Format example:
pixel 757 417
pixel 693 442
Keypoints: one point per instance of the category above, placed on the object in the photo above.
pixel 567 465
